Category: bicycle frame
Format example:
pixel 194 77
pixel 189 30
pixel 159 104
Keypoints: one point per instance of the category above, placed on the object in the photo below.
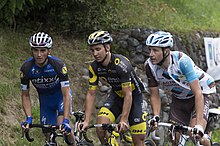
pixel 81 138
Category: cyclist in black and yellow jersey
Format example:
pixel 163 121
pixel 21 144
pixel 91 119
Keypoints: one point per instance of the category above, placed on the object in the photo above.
pixel 125 98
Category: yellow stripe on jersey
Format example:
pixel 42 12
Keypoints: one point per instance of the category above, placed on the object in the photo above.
pixel 126 84
pixel 120 94
pixel 93 87
pixel 94 78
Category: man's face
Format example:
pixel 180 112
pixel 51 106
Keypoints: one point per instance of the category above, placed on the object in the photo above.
pixel 40 55
pixel 98 51
pixel 156 54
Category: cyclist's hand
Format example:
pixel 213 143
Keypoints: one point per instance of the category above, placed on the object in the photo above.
pixel 198 132
pixel 25 125
pixel 65 127
pixel 82 126
pixel 123 126
pixel 153 122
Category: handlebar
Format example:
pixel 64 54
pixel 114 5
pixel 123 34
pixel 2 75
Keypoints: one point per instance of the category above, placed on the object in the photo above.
pixel 50 128
pixel 171 127
pixel 176 127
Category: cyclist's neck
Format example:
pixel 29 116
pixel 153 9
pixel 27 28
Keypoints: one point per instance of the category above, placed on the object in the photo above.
pixel 107 60
pixel 166 63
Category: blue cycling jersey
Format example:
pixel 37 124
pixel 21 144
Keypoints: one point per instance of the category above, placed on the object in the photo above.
pixel 47 79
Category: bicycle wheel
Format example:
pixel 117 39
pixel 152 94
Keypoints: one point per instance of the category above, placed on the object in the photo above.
pixel 149 142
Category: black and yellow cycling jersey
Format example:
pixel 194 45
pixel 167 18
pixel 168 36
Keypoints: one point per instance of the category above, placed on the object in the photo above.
pixel 119 73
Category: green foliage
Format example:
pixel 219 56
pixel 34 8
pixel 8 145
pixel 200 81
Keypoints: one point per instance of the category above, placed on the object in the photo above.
pixel 82 15
pixel 9 9
pixel 65 15
pixel 172 15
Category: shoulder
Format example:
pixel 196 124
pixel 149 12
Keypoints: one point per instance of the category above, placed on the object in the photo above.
pixel 27 64
pixel 58 65
pixel 53 58
pixel 121 62
pixel 94 64
pixel 180 57
pixel 120 59
pixel 54 61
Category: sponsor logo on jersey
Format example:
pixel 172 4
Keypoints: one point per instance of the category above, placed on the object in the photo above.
pixel 136 120
pixel 64 70
pixel 34 71
pixel 123 66
pixel 49 70
pixel 117 61
pixel 111 71
pixel 43 120
pixel 137 131
pixel 103 113
pixel 43 79
pixel 101 69
pixel 113 80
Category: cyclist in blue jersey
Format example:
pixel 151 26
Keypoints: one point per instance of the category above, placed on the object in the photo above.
pixel 125 98
pixel 175 72
pixel 49 76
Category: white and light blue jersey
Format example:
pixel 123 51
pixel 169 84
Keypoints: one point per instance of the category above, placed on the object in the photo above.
pixel 181 71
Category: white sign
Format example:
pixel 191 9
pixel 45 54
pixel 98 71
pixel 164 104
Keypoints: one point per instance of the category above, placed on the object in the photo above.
pixel 212 50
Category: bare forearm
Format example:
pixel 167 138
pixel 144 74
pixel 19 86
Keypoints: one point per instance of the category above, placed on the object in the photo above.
pixel 26 102
pixel 126 107
pixel 89 104
pixel 199 104
pixel 199 101
pixel 66 101
pixel 155 100
pixel 155 104
pixel 67 107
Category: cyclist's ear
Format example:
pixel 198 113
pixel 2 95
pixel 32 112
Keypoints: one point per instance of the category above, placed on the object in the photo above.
pixel 166 51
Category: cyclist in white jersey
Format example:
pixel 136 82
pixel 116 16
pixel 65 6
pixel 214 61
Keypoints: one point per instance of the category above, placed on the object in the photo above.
pixel 175 72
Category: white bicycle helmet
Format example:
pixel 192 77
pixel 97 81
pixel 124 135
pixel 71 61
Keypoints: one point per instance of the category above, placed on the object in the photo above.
pixel 99 37
pixel 41 40
pixel 160 39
